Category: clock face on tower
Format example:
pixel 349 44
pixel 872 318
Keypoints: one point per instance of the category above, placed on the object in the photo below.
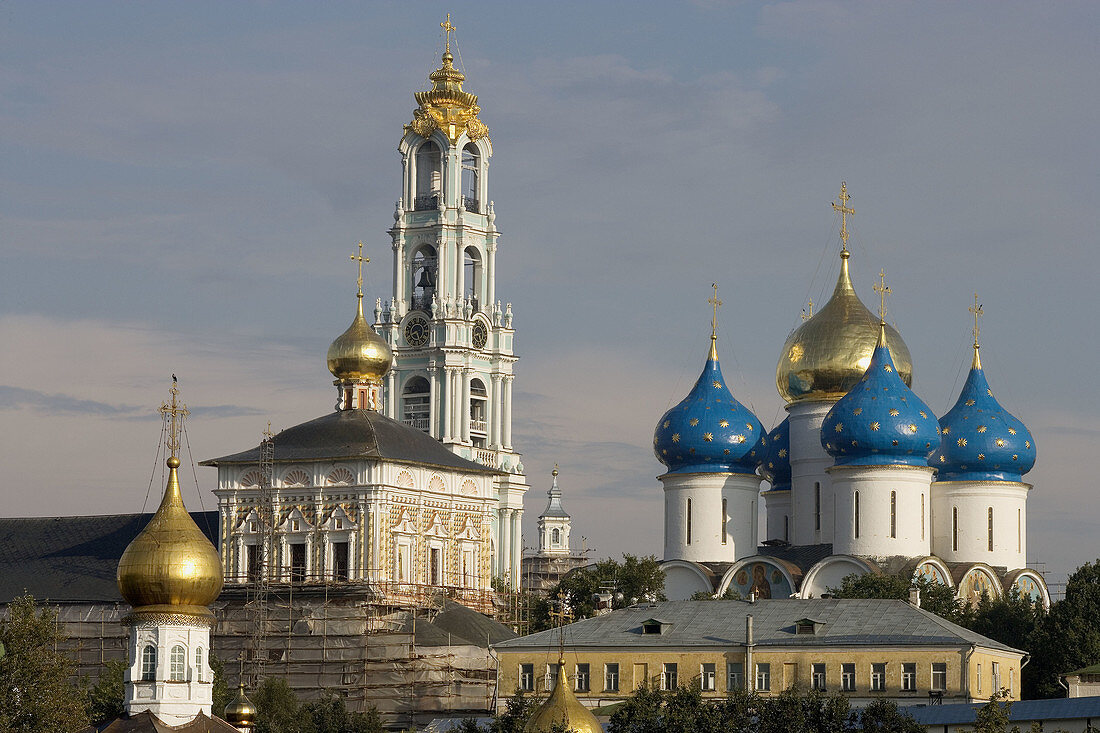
pixel 416 330
pixel 481 335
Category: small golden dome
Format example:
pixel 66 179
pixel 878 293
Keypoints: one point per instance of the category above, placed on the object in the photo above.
pixel 359 353
pixel 171 567
pixel 240 711
pixel 562 707
pixel 829 353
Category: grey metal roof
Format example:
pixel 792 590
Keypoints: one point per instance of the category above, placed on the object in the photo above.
pixel 72 558
pixel 1021 711
pixel 457 625
pixel 845 622
pixel 356 434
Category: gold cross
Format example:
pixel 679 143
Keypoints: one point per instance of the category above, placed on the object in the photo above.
pixel 976 309
pixel 361 259
pixel 808 311
pixel 174 412
pixel 448 29
pixel 561 616
pixel 883 290
pixel 713 300
pixel 844 212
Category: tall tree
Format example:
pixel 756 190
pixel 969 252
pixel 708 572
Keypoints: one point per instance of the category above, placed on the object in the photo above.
pixel 1067 638
pixel 935 598
pixel 36 694
pixel 633 579
pixel 106 699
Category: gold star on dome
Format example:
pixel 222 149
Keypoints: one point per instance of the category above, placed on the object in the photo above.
pixel 1015 457
pixel 981 428
pixel 723 423
pixel 693 421
pixel 738 439
pixel 874 425
pixel 667 422
pixel 1000 442
pixel 942 459
pixel 970 402
pixel 717 384
pixel 1027 443
pixel 894 412
pixel 886 368
pixel 981 456
pixel 708 437
pixel 782 452
pixel 947 430
pixel 912 428
pixel 748 426
pixel 893 442
pixel 854 443
pixel 1012 431
pixel 839 427
pixel 675 437
pixel 726 452
pixel 858 411
pixel 924 414
pixel 961 442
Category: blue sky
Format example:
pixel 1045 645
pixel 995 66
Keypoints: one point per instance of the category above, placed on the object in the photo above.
pixel 181 184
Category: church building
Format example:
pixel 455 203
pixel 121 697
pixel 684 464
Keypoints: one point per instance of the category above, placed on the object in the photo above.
pixel 862 477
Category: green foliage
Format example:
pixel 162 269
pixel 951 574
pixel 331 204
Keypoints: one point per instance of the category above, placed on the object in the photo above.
pixel 330 715
pixel 731 594
pixel 221 692
pixel 35 689
pixel 883 716
pixel 1068 638
pixel 106 698
pixel 277 709
pixel 935 598
pixel 635 578
pixel 993 716
pixel 516 713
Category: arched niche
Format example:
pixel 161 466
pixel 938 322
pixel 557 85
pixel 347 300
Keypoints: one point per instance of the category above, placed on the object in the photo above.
pixel 684 578
pixel 764 576
pixel 830 573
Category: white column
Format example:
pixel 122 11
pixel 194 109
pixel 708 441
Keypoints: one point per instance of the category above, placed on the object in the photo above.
pixel 517 547
pixel 505 544
pixel 456 405
pixel 464 408
pixel 433 404
pixel 391 397
pixel 495 409
pixel 490 272
pixel 446 398
pixel 506 418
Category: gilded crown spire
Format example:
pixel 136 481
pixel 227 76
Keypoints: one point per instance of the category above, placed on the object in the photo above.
pixel 976 309
pixel 446 106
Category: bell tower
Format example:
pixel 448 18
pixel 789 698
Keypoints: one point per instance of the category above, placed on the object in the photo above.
pixel 451 337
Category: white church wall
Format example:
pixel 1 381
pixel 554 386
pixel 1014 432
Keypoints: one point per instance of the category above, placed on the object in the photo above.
pixel 812 505
pixel 962 523
pixel 890 518
pixel 697 528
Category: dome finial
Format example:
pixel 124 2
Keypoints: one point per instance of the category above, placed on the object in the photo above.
pixel 360 259
pixel 174 412
pixel 976 309
pixel 844 211
pixel 448 29
pixel 714 301
pixel 883 290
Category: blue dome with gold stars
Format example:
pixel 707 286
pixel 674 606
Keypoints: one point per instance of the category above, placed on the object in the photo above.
pixel 776 463
pixel 980 440
pixel 880 421
pixel 709 431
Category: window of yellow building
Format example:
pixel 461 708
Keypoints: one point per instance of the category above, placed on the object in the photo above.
pixel 707 673
pixel 817 677
pixel 939 676
pixel 581 678
pixel 735 676
pixel 763 677
pixel 908 676
pixel 847 677
pixel 611 677
pixel 527 677
pixel 878 676
pixel 669 679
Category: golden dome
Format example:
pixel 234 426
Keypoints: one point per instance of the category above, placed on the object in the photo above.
pixel 240 711
pixel 562 707
pixel 829 353
pixel 171 567
pixel 359 353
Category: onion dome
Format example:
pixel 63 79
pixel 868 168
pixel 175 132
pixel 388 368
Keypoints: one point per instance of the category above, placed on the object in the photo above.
pixel 709 431
pixel 171 567
pixel 359 353
pixel 829 353
pixel 980 440
pixel 562 708
pixel 240 712
pixel 776 464
pixel 880 421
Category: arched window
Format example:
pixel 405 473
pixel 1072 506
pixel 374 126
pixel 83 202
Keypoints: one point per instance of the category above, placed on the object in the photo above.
pixel 479 413
pixel 893 514
pixel 470 161
pixel 922 516
pixel 176 663
pixel 198 663
pixel 817 505
pixel 555 537
pixel 415 401
pixel 149 663
pixel 989 520
pixel 955 528
pixel 423 271
pixel 857 515
pixel 724 518
pixel 429 177
pixel 472 277
pixel 689 522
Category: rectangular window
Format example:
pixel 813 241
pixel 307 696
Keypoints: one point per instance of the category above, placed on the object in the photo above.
pixel 689 522
pixel 786 528
pixel 1019 523
pixel 707 673
pixel 1011 679
pixel 404 553
pixel 939 676
pixel 668 676
pixel 735 676
pixel 996 677
pixel 527 677
pixel 198 664
pixel 908 677
pixel 857 514
pixel 989 514
pixel 339 560
pixel 922 516
pixel 252 567
pixel 893 514
pixel 435 569
pixel 817 505
pixel 551 677
pixel 817 676
pixel 298 562
pixel 611 678
pixel 955 529
pixel 582 681
pixel 847 677
pixel 763 677
pixel 878 677
pixel 724 516
pixel 979 678
pixel 176 664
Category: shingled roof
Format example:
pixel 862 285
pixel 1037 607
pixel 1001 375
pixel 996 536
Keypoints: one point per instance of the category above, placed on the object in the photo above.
pixel 356 434
pixel 721 624
pixel 64 559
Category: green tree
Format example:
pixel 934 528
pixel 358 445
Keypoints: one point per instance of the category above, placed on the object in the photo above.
pixel 935 598
pixel 221 692
pixel 515 715
pixel 883 716
pixel 277 709
pixel 36 693
pixel 331 715
pixel 993 716
pixel 1067 638
pixel 635 578
pixel 106 697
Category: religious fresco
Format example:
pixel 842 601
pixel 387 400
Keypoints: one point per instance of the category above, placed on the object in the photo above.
pixel 930 571
pixel 1028 588
pixel 974 585
pixel 762 579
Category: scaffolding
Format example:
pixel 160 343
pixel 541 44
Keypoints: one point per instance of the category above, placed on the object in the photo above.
pixel 258 585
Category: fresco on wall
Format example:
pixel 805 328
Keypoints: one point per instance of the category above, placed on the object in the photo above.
pixel 763 579
pixel 931 572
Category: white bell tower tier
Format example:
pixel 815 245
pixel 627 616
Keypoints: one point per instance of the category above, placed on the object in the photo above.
pixel 451 337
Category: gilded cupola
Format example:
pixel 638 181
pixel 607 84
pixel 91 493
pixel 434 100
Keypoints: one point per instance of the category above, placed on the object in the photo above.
pixel 446 106
pixel 828 354
pixel 171 567
pixel 240 712
pixel 359 354
pixel 562 708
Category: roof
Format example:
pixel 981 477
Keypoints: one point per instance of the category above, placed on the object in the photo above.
pixel 457 625
pixel 802 556
pixel 72 558
pixel 356 434
pixel 709 624
pixel 1021 711
pixel 146 722
pixel 1092 669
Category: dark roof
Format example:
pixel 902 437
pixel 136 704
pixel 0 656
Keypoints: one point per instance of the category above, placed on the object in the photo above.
pixel 1021 711
pixel 72 558
pixel 803 556
pixel 146 722
pixel 845 622
pixel 1092 669
pixel 457 625
pixel 356 434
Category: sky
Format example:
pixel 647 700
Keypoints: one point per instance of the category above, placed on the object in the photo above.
pixel 181 185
